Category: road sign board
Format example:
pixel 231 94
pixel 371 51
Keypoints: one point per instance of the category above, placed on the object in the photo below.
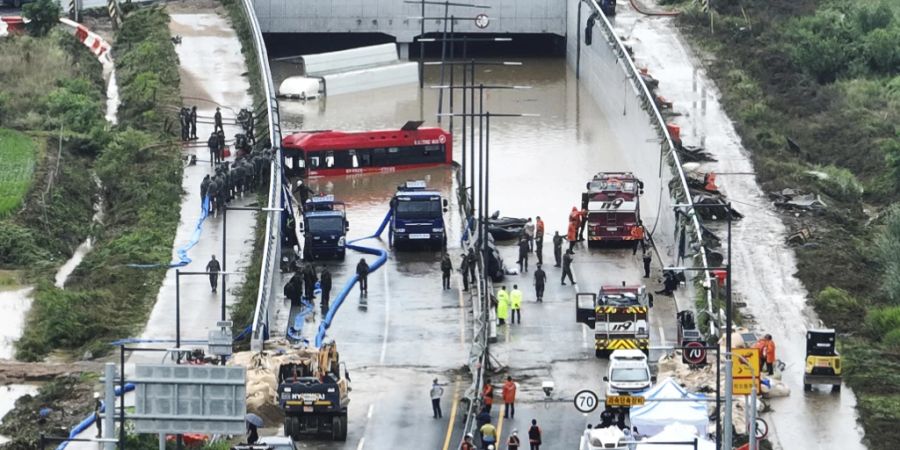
pixel 482 21
pixel 743 386
pixel 741 374
pixel 624 400
pixel 695 353
pixel 176 399
pixel 586 401
pixel 739 369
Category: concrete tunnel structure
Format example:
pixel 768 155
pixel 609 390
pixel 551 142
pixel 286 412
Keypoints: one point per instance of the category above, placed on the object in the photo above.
pixel 399 20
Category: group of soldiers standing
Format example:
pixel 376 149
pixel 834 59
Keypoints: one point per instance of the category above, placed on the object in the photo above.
pixel 233 180
pixel 250 168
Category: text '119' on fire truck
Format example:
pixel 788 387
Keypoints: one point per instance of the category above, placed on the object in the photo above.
pixel 324 228
pixel 619 316
pixel 613 205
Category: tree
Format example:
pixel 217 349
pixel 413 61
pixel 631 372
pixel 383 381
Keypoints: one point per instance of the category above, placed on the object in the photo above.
pixel 43 14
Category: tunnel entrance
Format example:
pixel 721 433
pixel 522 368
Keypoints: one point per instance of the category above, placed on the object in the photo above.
pixel 522 45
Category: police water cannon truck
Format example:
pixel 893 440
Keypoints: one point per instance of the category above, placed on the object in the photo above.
pixel 324 228
pixel 619 316
pixel 417 216
pixel 313 394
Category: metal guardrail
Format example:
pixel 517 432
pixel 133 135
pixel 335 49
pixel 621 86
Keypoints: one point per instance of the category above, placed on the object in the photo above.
pixel 272 248
pixel 480 320
pixel 660 124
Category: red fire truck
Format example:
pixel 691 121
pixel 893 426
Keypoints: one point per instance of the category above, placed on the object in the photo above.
pixel 327 153
pixel 613 205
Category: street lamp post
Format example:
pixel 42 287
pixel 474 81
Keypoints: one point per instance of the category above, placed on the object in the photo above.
pixel 181 273
pixel 465 105
pixel 222 313
pixel 423 18
pixel 724 436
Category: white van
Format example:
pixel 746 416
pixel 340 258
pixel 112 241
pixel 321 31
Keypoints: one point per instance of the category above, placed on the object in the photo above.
pixel 629 373
pixel 610 438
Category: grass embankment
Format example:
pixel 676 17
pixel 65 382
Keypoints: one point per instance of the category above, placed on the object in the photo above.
pixel 826 74
pixel 47 197
pixel 17 158
pixel 139 165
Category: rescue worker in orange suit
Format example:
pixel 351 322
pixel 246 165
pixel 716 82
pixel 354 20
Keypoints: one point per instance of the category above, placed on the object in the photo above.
pixel 487 394
pixel 572 233
pixel 582 223
pixel 637 232
pixel 509 398
pixel 767 346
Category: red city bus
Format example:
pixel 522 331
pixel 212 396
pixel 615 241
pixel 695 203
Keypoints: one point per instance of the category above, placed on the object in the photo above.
pixel 327 153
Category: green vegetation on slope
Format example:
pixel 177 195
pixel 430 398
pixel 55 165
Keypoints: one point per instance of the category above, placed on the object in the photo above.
pixel 17 158
pixel 48 82
pixel 140 169
pixel 826 74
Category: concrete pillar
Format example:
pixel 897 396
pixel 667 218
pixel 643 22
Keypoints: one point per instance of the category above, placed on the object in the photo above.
pixel 403 48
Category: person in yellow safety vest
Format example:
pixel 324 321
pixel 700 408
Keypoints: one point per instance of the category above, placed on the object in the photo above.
pixel 502 305
pixel 515 302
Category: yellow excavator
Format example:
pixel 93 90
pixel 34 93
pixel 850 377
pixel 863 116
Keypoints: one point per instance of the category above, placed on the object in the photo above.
pixel 823 362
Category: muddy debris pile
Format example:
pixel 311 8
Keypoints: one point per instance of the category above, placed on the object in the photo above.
pixel 798 202
pixel 59 405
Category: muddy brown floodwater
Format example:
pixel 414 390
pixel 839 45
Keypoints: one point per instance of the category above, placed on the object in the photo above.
pixel 548 157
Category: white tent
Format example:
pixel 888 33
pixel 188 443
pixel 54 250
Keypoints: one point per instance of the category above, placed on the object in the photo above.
pixel 677 432
pixel 653 417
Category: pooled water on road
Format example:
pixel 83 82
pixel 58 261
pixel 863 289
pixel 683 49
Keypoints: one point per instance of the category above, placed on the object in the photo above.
pixel 533 160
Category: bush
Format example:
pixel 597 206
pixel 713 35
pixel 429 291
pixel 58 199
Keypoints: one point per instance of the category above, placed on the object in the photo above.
pixel 836 306
pixel 44 15
pixel 67 319
pixel 888 253
pixel 872 17
pixel 147 70
pixel 821 44
pixel 18 246
pixel 880 322
pixel 892 340
pixel 882 49
pixel 76 105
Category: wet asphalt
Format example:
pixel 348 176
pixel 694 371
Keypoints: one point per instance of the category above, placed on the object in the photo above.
pixel 411 331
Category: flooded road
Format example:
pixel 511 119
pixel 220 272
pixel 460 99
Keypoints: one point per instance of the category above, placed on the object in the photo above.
pixel 412 331
pixel 548 157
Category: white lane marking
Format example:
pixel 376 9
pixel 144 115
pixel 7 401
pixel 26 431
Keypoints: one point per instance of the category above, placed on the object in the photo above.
pixel 362 443
pixel 387 317
pixel 662 335
pixel 584 341
pixel 371 408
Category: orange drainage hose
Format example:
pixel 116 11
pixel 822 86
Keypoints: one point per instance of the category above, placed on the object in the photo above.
pixel 634 5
